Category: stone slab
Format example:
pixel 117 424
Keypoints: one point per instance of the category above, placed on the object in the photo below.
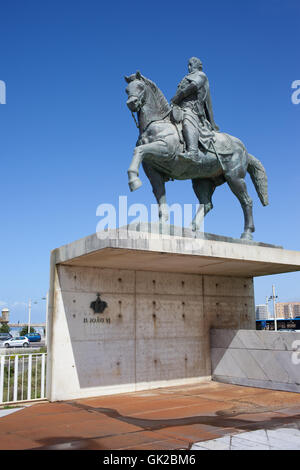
pixel 181 253
pixel 262 439
pixel 266 359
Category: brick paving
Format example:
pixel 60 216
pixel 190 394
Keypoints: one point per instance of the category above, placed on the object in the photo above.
pixel 161 419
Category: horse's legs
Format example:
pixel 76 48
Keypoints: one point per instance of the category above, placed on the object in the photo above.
pixel 158 186
pixel 204 189
pixel 133 171
pixel 158 148
pixel 238 187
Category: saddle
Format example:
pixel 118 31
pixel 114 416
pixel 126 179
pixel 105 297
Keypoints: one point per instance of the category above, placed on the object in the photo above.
pixel 222 143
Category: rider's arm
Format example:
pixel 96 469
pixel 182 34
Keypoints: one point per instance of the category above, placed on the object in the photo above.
pixel 184 92
pixel 193 85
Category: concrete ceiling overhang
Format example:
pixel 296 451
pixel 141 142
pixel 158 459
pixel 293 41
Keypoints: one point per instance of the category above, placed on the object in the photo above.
pixel 119 249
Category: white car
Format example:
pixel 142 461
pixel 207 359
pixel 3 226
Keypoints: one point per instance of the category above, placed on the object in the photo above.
pixel 19 341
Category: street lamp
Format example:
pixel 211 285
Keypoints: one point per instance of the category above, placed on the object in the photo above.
pixel 29 312
pixel 273 297
pixel 46 326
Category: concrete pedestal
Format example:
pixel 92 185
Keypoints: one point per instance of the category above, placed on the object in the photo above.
pixel 163 293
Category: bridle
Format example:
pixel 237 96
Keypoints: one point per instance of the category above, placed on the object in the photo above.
pixel 136 123
pixel 142 101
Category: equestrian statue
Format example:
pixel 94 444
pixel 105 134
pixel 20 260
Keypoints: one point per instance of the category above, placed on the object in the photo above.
pixel 182 141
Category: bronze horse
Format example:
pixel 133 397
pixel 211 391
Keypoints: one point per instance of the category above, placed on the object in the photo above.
pixel 159 149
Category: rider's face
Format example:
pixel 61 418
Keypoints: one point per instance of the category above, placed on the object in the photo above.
pixel 190 66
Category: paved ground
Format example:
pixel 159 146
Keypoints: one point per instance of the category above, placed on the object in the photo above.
pixel 287 438
pixel 185 417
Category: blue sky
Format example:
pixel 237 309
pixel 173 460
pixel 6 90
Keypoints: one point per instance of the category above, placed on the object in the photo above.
pixel 67 136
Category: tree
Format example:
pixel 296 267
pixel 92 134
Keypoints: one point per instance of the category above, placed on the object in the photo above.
pixel 24 330
pixel 4 328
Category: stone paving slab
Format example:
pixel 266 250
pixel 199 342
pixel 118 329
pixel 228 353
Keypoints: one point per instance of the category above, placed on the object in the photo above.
pixel 277 439
pixel 186 417
pixel 6 412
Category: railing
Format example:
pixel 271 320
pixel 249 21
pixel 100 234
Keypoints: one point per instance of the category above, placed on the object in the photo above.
pixel 22 377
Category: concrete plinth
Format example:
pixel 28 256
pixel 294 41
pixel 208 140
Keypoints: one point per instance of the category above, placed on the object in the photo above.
pixel 163 293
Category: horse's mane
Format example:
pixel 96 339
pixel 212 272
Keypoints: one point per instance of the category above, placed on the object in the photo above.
pixel 161 100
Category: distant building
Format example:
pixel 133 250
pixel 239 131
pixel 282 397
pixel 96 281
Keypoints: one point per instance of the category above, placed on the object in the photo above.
pixel 4 319
pixel 262 312
pixel 287 309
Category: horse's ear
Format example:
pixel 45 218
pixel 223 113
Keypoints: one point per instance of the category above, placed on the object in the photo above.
pixel 127 79
pixel 138 75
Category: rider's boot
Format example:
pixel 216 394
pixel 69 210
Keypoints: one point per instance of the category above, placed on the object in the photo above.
pixel 192 155
pixel 191 137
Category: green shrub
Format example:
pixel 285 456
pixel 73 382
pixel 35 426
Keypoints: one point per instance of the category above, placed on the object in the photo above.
pixel 24 330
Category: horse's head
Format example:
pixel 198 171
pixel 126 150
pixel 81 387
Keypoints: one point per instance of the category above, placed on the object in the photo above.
pixel 136 91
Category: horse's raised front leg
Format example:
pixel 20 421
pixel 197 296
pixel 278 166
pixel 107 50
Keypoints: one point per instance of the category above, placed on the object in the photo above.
pixel 159 190
pixel 204 189
pixel 133 171
pixel 155 149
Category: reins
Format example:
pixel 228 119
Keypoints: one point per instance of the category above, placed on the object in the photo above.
pixel 136 123
pixel 157 120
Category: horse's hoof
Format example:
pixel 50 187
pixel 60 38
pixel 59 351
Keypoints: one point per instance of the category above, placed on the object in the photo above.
pixel 135 184
pixel 163 218
pixel 246 236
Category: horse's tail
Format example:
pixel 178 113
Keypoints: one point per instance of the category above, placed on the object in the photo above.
pixel 259 178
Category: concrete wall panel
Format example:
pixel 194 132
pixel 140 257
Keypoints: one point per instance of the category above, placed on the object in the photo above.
pixel 169 316
pixel 88 279
pixel 170 359
pixel 173 283
pixel 229 312
pixel 266 359
pixel 217 286
pixel 154 331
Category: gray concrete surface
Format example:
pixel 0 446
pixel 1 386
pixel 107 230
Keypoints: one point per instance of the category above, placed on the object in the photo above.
pixel 164 293
pixel 266 359
pixel 148 251
pixel 287 438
